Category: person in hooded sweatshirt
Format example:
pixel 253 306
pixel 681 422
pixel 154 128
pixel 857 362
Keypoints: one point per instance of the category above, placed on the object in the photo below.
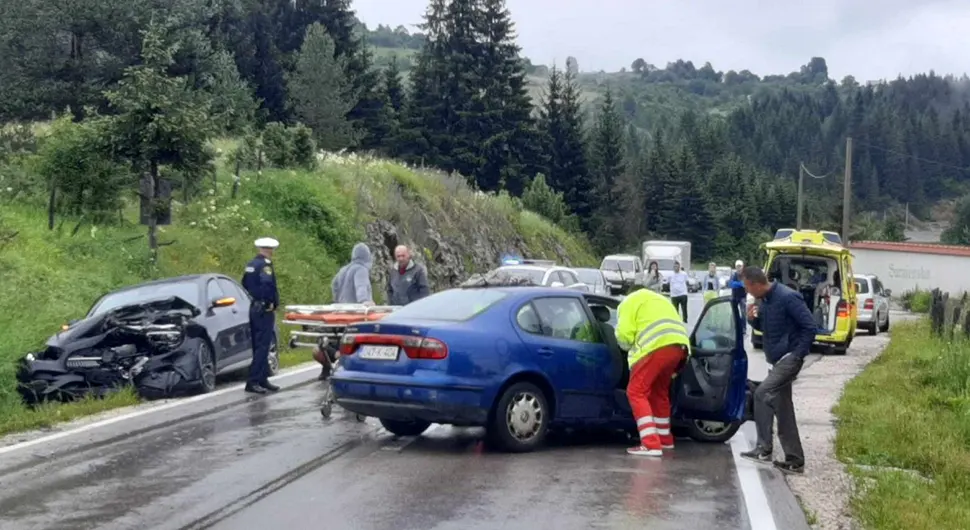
pixel 351 285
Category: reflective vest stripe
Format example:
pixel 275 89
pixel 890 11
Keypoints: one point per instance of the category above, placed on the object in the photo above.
pixel 655 325
pixel 657 335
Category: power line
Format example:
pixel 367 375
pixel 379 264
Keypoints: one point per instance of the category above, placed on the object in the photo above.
pixel 809 173
pixel 914 157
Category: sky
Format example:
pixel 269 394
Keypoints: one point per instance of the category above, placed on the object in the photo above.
pixel 869 39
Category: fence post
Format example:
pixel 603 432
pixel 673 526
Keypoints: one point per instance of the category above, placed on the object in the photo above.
pixel 936 311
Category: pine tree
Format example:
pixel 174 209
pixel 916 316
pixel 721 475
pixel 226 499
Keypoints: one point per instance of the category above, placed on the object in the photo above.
pixel 607 164
pixel 560 123
pixel 386 130
pixel 319 93
pixel 508 131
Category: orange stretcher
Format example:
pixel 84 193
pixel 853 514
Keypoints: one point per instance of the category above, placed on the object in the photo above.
pixel 321 327
pixel 319 324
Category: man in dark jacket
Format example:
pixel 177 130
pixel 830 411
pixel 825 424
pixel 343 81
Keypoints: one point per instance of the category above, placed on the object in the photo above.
pixel 407 281
pixel 738 294
pixel 788 329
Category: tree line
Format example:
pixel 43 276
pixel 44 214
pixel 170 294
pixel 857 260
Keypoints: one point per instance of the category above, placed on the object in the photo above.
pixel 305 72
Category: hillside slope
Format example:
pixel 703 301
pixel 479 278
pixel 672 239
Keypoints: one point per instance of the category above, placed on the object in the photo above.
pixel 50 277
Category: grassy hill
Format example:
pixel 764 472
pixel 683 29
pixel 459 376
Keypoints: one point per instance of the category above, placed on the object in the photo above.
pixel 51 276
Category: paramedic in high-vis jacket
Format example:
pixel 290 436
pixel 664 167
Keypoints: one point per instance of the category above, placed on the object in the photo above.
pixel 657 342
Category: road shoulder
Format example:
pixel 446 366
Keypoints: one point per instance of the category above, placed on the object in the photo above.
pixel 825 488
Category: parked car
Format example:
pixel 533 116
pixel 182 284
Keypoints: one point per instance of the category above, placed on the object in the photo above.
pixel 534 272
pixel 595 279
pixel 873 302
pixel 522 360
pixel 623 272
pixel 165 337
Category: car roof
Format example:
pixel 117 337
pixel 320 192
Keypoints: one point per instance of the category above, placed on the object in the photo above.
pixel 538 268
pixel 188 278
pixel 621 256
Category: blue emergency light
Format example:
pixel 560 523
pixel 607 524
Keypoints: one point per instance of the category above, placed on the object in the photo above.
pixel 511 260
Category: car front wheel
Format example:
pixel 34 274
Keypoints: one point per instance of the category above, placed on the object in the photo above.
pixel 711 431
pixel 521 419
pixel 207 368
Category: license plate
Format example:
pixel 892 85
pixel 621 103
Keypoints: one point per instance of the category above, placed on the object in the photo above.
pixel 378 353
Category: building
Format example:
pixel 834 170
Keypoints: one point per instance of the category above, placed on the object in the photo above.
pixel 906 266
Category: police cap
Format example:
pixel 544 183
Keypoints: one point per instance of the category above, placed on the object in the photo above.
pixel 266 242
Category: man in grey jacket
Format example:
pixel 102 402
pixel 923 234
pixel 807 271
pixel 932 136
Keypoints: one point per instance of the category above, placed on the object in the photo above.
pixel 407 281
pixel 351 284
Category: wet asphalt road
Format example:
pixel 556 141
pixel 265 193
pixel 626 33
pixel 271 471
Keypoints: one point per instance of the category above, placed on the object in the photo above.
pixel 237 462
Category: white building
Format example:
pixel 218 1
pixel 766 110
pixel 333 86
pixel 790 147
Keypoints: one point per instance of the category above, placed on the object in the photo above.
pixel 906 266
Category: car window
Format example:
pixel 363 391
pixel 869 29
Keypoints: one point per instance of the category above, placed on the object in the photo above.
pixel 590 276
pixel 625 265
pixel 502 273
pixel 231 289
pixel 877 287
pixel 528 320
pixel 861 286
pixel 568 278
pixel 717 328
pixel 186 290
pixel 213 290
pixel 564 318
pixel 453 305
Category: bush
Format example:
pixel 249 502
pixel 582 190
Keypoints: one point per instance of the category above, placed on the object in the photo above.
pixel 917 300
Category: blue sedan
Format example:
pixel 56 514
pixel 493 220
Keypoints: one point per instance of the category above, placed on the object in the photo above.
pixel 522 360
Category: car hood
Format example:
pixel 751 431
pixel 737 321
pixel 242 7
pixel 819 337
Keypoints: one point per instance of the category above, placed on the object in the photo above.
pixel 91 326
pixel 615 275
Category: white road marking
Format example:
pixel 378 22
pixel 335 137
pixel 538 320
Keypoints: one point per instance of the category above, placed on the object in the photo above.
pixel 149 410
pixel 755 499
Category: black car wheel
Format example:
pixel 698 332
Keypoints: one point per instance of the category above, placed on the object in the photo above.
pixel 207 368
pixel 521 419
pixel 885 328
pixel 405 428
pixel 711 431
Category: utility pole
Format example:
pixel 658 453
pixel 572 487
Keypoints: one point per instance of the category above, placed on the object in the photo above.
pixel 847 191
pixel 801 180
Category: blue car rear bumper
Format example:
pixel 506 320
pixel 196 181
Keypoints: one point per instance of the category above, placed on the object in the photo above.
pixel 408 401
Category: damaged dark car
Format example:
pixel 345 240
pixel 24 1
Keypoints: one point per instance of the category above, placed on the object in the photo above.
pixel 165 338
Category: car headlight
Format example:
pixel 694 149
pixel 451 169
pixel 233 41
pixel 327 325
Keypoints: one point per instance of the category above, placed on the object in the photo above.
pixel 30 357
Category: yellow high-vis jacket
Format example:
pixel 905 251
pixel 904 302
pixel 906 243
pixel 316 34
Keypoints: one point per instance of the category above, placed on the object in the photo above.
pixel 647 321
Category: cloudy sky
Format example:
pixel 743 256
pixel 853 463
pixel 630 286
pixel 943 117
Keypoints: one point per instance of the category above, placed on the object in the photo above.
pixel 870 39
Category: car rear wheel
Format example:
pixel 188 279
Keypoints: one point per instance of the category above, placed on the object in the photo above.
pixel 207 368
pixel 711 431
pixel 405 428
pixel 885 327
pixel 874 327
pixel 521 419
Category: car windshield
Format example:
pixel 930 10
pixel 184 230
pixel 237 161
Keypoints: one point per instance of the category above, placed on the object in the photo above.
pixel 625 265
pixel 503 273
pixel 454 305
pixel 590 276
pixel 187 291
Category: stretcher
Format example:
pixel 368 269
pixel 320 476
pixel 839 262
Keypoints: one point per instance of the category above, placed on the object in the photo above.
pixel 321 327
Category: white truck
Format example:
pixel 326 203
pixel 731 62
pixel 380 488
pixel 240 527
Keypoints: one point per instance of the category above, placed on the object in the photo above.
pixel 665 253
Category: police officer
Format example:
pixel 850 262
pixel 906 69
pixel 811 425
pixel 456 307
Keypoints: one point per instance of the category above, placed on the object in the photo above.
pixel 260 280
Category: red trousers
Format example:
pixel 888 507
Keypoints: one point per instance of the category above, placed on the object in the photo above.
pixel 649 395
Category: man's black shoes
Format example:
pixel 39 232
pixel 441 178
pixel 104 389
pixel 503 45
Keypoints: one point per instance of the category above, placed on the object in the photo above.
pixel 758 455
pixel 255 389
pixel 270 386
pixel 790 466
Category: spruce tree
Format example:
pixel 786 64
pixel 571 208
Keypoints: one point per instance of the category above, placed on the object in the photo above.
pixel 508 133
pixel 561 124
pixel 607 164
pixel 319 94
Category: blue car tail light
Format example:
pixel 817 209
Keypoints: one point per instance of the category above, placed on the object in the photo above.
pixel 414 347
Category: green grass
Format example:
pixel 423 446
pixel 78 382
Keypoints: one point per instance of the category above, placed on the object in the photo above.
pixel 906 418
pixel 50 277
